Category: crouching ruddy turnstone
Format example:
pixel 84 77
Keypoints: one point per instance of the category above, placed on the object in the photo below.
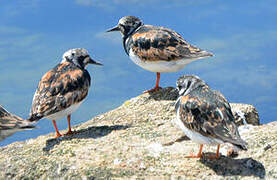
pixel 205 115
pixel 10 123
pixel 63 89
pixel 156 49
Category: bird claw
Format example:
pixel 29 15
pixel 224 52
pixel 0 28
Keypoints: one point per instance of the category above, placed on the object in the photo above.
pixel 232 153
pixel 213 156
pixel 194 156
pixel 155 89
pixel 69 133
pixel 58 135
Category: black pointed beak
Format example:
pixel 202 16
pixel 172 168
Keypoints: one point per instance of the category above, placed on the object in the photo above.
pixel 116 28
pixel 91 61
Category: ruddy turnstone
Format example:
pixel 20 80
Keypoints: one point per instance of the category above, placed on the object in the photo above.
pixel 156 49
pixel 10 123
pixel 205 115
pixel 63 89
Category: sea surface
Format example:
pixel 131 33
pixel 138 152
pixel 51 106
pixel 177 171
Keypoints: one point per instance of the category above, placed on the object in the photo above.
pixel 34 35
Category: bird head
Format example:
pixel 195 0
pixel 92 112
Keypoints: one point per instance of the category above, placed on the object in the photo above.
pixel 79 57
pixel 127 25
pixel 186 83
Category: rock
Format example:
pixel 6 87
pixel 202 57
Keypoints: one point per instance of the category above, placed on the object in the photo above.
pixel 138 140
pixel 245 113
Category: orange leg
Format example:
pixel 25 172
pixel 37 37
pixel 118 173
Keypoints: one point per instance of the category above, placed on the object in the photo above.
pixel 217 151
pixel 157 84
pixel 199 155
pixel 69 132
pixel 217 154
pixel 57 131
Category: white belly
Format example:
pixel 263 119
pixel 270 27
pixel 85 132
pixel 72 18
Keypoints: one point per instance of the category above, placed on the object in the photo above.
pixel 59 115
pixel 160 66
pixel 195 136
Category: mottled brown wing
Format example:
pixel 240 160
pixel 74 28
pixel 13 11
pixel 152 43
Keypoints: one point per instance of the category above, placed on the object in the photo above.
pixel 232 135
pixel 59 88
pixel 151 43
pixel 209 114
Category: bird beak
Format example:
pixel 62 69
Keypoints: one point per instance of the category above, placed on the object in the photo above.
pixel 91 61
pixel 116 28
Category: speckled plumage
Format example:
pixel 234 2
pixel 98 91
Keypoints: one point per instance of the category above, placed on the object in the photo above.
pixel 156 49
pixel 10 123
pixel 62 89
pixel 206 114
pixel 59 88
pixel 152 43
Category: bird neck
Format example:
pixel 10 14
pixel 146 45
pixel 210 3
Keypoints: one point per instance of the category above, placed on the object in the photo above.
pixel 194 87
pixel 199 86
pixel 127 38
pixel 125 44
pixel 75 62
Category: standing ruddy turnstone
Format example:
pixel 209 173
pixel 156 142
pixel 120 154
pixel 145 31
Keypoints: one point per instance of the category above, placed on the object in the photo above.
pixel 10 123
pixel 63 89
pixel 205 115
pixel 156 49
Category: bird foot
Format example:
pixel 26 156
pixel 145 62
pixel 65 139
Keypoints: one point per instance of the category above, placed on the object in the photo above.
pixel 232 153
pixel 212 156
pixel 155 89
pixel 58 135
pixel 69 133
pixel 194 156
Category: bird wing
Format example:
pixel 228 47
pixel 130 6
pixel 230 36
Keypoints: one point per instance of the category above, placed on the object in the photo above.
pixel 59 88
pixel 151 43
pixel 209 114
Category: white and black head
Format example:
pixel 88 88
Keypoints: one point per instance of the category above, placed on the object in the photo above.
pixel 127 25
pixel 185 84
pixel 79 57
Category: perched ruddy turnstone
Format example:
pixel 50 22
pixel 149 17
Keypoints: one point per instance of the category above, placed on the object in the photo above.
pixel 205 115
pixel 156 49
pixel 10 123
pixel 63 89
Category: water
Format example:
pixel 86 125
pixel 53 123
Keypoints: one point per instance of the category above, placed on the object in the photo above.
pixel 243 39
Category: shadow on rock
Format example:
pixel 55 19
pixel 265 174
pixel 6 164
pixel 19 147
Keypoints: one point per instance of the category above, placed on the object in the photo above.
pixel 90 132
pixel 226 166
pixel 168 93
pixel 180 139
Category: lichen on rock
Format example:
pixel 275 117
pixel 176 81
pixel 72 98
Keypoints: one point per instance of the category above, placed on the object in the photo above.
pixel 139 140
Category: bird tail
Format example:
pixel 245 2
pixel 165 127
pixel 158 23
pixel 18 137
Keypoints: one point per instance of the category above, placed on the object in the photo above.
pixel 34 118
pixel 240 144
pixel 12 121
pixel 202 54
pixel 27 125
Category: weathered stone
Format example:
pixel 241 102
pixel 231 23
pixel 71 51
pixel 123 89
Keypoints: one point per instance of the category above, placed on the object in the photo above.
pixel 245 113
pixel 137 140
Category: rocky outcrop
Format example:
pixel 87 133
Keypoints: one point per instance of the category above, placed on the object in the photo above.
pixel 139 140
pixel 245 114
